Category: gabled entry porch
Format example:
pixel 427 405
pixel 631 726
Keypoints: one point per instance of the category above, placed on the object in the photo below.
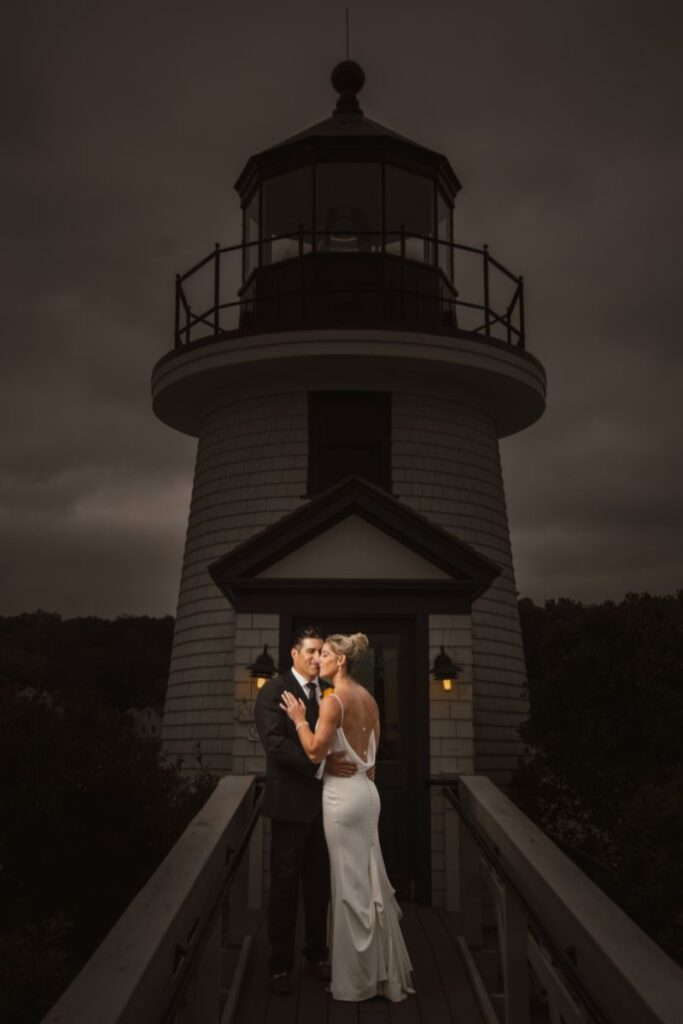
pixel 357 560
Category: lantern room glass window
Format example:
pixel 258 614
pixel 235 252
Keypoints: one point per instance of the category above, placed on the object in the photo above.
pixel 251 235
pixel 348 207
pixel 287 209
pixel 409 204
pixel 444 233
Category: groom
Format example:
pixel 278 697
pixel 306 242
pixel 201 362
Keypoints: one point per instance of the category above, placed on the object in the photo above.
pixel 293 801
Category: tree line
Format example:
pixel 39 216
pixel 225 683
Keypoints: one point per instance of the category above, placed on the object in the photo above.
pixel 88 810
pixel 603 774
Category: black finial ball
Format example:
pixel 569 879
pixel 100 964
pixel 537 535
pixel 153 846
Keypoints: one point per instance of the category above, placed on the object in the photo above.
pixel 348 77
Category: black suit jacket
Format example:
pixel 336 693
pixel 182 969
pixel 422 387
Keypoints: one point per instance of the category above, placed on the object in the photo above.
pixel 292 792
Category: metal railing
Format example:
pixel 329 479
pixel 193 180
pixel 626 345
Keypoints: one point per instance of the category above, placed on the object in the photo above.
pixel 162 961
pixel 493 306
pixel 556 932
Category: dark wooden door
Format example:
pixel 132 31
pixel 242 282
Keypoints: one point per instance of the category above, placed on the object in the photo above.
pixel 389 672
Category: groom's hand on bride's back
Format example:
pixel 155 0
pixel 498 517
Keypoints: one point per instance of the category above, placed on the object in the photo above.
pixel 337 763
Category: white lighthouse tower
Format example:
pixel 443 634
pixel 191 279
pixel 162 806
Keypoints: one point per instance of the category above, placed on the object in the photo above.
pixel 348 398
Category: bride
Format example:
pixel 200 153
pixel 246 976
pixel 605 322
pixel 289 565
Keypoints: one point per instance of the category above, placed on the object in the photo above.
pixel 369 956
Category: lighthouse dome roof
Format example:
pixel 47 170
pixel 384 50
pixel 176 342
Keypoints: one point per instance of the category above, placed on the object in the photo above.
pixel 346 134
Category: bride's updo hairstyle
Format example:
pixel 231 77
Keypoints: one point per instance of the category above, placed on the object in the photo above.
pixel 353 646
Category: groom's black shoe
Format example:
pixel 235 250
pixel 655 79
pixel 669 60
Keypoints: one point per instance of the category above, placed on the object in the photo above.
pixel 320 969
pixel 281 984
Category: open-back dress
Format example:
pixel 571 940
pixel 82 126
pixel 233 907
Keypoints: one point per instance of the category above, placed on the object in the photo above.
pixel 368 953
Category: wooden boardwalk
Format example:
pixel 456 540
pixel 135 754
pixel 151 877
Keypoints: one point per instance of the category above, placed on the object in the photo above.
pixel 443 991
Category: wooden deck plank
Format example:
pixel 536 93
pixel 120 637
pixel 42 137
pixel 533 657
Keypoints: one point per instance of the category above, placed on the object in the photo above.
pixel 313 998
pixel 456 985
pixel 373 1011
pixel 341 1013
pixel 430 996
pixel 434 927
pixel 454 924
pixel 406 1012
pixel 285 1009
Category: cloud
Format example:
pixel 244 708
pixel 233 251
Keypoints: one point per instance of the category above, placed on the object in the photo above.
pixel 127 126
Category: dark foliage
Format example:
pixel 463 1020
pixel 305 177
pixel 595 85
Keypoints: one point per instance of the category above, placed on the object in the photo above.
pixel 605 776
pixel 119 663
pixel 88 810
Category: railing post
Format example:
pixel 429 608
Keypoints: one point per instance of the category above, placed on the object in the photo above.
pixel 453 829
pixel 471 886
pixel 514 956
pixel 403 272
pixel 417 301
pixel 256 867
pixel 202 997
pixel 238 904
pixel 216 286
pixel 188 317
pixel 487 308
pixel 301 272
pixel 176 329
pixel 522 331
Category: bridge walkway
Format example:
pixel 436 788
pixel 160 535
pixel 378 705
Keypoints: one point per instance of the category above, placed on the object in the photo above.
pixel 443 990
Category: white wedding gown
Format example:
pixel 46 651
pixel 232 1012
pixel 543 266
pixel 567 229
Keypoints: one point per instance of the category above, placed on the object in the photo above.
pixel 369 956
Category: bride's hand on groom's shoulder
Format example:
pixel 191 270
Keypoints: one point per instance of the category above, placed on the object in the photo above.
pixel 293 708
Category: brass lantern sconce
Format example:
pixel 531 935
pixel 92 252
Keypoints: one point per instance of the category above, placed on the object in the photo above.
pixel 263 669
pixel 444 670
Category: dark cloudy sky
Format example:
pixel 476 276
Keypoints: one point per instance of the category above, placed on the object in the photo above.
pixel 125 126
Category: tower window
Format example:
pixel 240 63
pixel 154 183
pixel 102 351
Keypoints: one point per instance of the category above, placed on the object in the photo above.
pixel 349 434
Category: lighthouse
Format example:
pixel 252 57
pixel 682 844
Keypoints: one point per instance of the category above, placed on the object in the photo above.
pixel 348 369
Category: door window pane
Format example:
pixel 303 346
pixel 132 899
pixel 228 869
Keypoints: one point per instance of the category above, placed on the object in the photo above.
pixel 348 207
pixel 377 671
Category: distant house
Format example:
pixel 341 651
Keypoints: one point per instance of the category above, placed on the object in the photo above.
pixel 146 721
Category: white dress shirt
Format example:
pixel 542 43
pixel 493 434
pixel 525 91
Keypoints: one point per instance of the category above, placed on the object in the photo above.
pixel 303 683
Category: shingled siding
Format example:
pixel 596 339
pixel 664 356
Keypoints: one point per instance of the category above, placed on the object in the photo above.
pixel 250 471
pixel 446 465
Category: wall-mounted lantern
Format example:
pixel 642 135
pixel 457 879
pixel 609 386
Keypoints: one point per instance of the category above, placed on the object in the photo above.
pixel 263 669
pixel 444 670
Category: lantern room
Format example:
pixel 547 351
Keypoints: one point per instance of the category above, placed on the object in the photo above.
pixel 347 187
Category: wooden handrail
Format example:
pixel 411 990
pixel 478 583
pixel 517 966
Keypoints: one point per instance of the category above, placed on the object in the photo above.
pixel 590 954
pixel 170 934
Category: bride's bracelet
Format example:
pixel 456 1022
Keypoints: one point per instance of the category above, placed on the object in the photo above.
pixel 300 725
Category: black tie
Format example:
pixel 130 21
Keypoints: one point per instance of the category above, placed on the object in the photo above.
pixel 312 705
